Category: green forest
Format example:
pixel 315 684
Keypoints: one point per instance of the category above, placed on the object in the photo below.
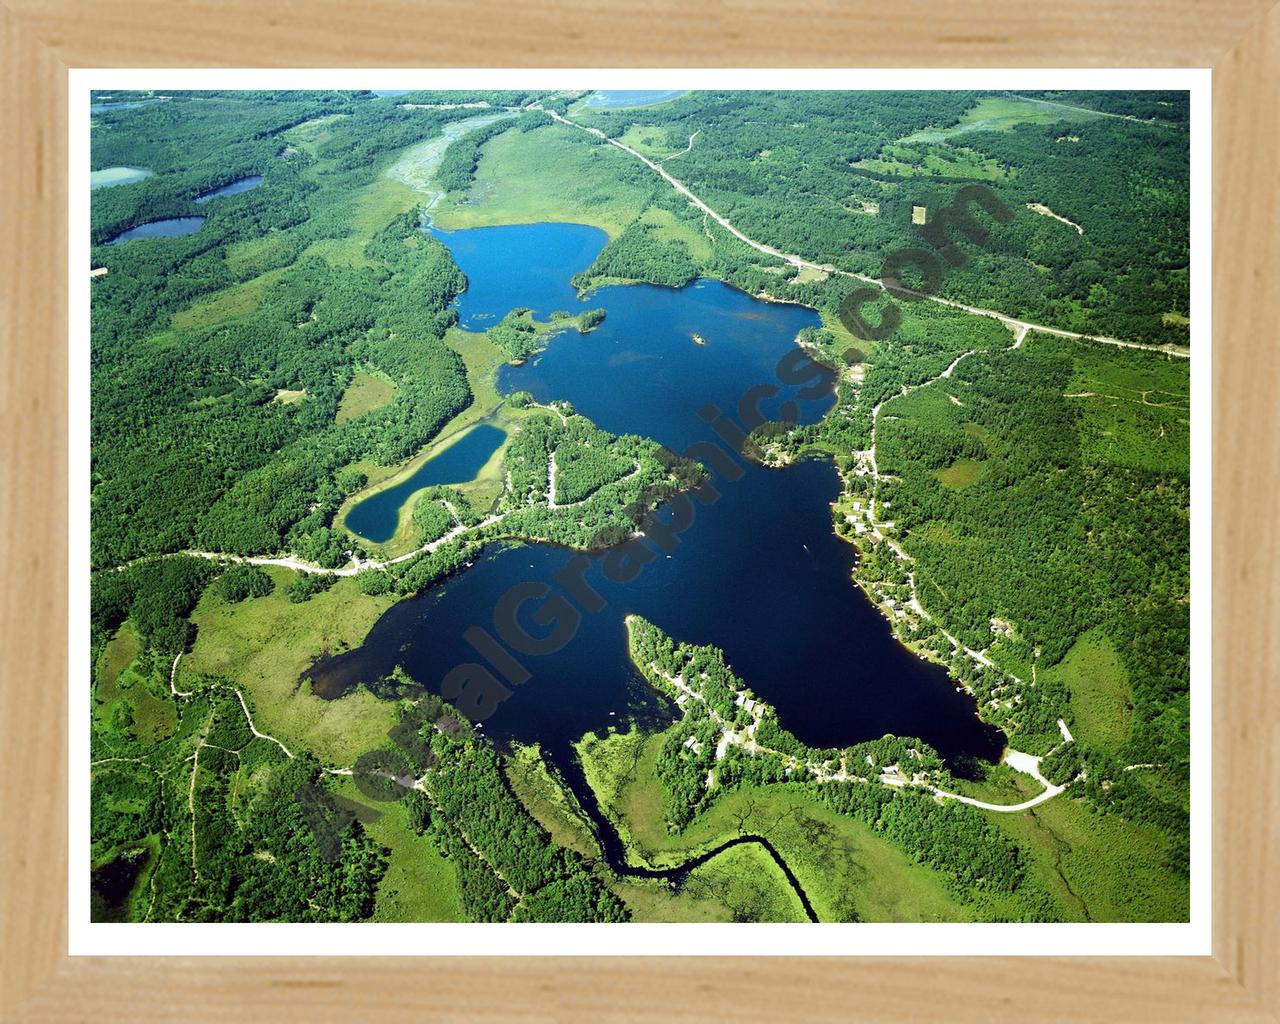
pixel 791 170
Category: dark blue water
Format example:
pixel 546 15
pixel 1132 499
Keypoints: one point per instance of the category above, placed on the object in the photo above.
pixel 641 372
pixel 376 517
pixel 231 189
pixel 171 228
pixel 759 572
pixel 617 98
pixel 520 265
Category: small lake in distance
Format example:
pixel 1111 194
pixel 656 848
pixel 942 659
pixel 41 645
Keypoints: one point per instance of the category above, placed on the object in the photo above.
pixel 377 516
pixel 109 176
pixel 231 188
pixel 106 106
pixel 760 573
pixel 173 227
pixel 614 99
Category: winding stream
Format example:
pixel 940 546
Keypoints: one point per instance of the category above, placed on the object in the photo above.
pixel 615 854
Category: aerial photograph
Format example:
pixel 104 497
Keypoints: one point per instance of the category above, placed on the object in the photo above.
pixel 639 506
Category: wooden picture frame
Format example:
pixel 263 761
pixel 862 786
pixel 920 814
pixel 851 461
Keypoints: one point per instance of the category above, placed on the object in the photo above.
pixel 1239 39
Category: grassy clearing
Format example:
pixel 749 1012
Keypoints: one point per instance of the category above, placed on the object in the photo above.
pixel 941 161
pixel 254 256
pixel 1001 114
pixel 1000 785
pixel 619 769
pixel 367 391
pixel 264 644
pixel 847 871
pixel 670 228
pixel 843 339
pixel 131 697
pixel 655 901
pixel 651 140
pixel 1134 407
pixel 416 166
pixel 482 359
pixel 366 213
pixel 935 532
pixel 960 473
pixel 116 656
pixel 236 301
pixel 154 716
pixel 310 135
pixel 749 884
pixel 1105 867
pixel 553 173
pixel 1101 701
pixel 740 884
pixel 287 396
pixel 807 275
pixel 548 801
pixel 421 884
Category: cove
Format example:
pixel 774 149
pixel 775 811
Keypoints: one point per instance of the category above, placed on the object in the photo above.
pixel 760 573
pixel 377 516
pixel 524 261
pixel 173 227
pixel 231 188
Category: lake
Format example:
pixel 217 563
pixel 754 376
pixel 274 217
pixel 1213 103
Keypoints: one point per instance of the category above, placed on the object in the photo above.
pixel 109 176
pixel 376 517
pixel 231 188
pixel 525 261
pixel 107 106
pixel 759 573
pixel 173 227
pixel 618 98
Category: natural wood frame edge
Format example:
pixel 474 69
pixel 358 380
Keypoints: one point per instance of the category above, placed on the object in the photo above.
pixel 1240 40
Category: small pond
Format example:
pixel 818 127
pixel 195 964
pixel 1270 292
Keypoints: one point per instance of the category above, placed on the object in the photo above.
pixel 231 188
pixel 173 227
pixel 376 517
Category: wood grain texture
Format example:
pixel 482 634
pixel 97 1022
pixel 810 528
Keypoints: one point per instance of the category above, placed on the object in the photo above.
pixel 33 511
pixel 1246 459
pixel 656 33
pixel 40 38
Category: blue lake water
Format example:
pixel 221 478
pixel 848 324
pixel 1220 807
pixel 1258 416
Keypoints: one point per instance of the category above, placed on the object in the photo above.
pixel 173 227
pixel 759 572
pixel 520 265
pixel 376 517
pixel 618 98
pixel 231 189
pixel 107 106
pixel 110 176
